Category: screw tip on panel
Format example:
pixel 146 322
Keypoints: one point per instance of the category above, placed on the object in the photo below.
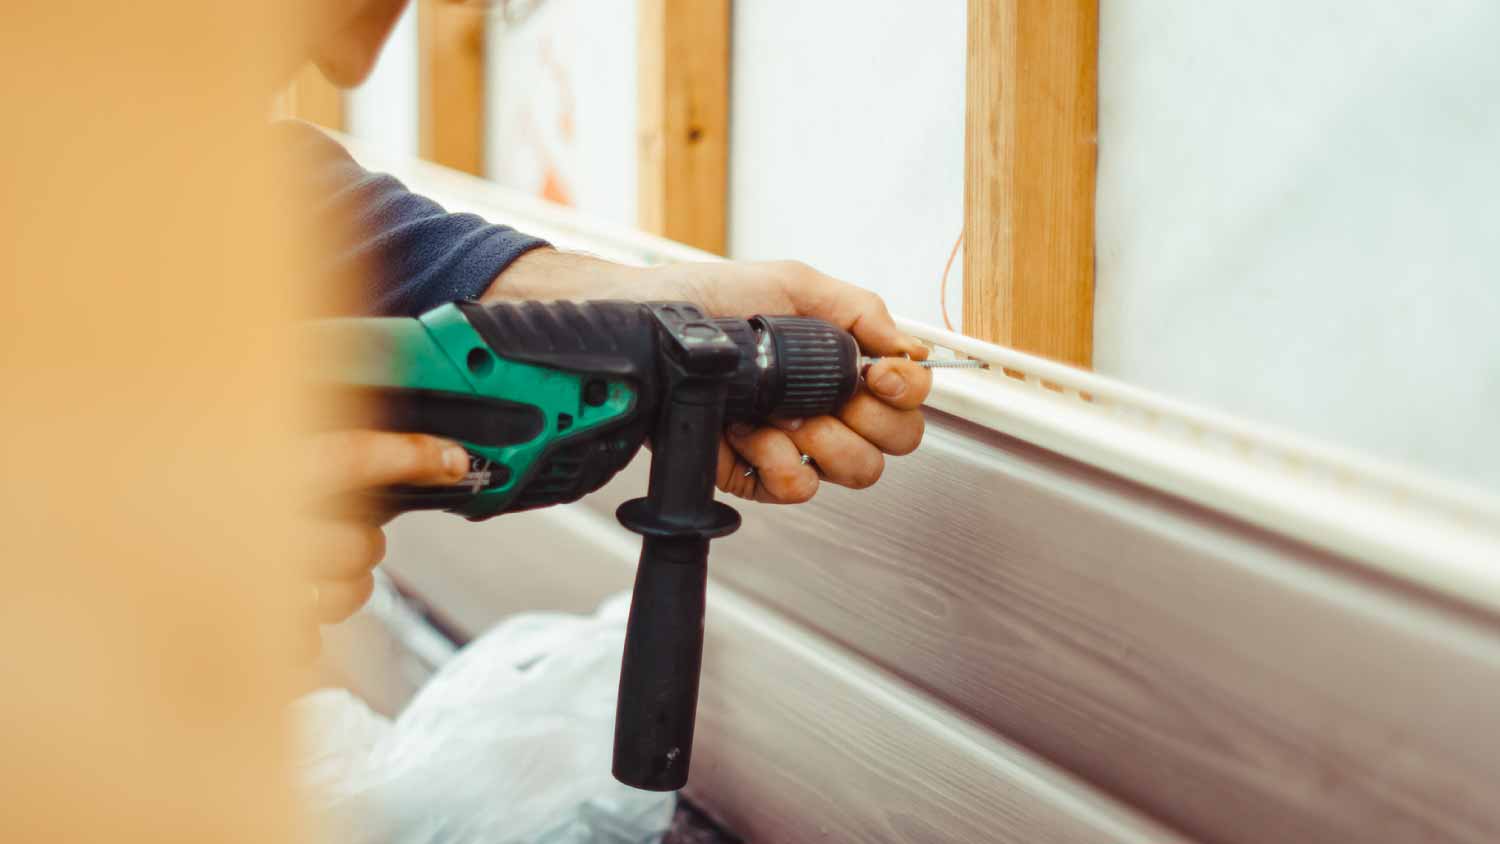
pixel 933 363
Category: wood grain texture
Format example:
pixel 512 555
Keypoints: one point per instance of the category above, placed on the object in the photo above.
pixel 797 739
pixel 683 144
pixel 1241 688
pixel 1030 150
pixel 1237 686
pixel 451 84
pixel 313 98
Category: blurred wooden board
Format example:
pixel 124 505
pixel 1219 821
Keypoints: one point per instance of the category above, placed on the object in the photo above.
pixel 313 98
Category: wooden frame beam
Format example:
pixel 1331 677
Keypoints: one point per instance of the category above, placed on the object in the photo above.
pixel 451 88
pixel 1030 150
pixel 683 144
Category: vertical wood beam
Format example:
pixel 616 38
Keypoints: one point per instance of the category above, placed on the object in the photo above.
pixel 313 98
pixel 683 145
pixel 1030 149
pixel 451 84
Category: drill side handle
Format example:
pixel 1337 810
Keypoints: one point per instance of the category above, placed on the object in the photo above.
pixel 663 655
pixel 658 700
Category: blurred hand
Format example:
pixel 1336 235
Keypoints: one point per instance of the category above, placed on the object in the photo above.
pixel 848 449
pixel 347 539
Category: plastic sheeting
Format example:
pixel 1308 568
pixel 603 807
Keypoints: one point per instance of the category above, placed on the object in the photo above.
pixel 1299 217
pixel 509 742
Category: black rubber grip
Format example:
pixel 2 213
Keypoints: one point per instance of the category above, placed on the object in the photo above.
pixel 817 366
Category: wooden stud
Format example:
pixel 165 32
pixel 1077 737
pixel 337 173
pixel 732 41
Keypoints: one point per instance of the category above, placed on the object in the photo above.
pixel 684 120
pixel 1030 150
pixel 313 98
pixel 451 47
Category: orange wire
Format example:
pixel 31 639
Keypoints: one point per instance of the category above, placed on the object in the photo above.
pixel 943 285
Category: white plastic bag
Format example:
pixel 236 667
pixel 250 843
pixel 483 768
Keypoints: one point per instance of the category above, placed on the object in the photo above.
pixel 509 742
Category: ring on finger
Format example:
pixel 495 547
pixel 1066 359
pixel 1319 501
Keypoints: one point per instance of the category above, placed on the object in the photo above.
pixel 806 461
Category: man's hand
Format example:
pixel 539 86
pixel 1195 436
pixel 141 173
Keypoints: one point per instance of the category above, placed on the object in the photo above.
pixel 848 449
pixel 347 539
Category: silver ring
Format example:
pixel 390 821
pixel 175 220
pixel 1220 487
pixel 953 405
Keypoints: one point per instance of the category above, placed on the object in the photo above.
pixel 806 460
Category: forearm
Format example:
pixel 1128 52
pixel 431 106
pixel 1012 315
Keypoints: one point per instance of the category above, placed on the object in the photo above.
pixel 547 274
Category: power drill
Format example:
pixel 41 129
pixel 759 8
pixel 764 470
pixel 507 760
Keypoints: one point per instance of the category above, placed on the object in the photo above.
pixel 552 399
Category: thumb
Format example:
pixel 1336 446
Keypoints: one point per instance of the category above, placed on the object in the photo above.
pixel 344 461
pixel 856 310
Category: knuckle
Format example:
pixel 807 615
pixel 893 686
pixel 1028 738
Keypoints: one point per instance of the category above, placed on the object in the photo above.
pixel 362 456
pixel 363 589
pixel 795 269
pixel 793 487
pixel 374 546
pixel 867 473
pixel 819 433
pixel 920 380
pixel 911 437
pixel 428 453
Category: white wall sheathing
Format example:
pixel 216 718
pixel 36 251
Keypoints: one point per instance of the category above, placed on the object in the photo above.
pixel 561 105
pixel 847 142
pixel 1299 217
pixel 1298 204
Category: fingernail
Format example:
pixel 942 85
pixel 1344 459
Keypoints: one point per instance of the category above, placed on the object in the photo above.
pixel 740 429
pixel 891 385
pixel 787 424
pixel 456 460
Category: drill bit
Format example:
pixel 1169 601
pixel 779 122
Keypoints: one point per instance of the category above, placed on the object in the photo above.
pixel 932 363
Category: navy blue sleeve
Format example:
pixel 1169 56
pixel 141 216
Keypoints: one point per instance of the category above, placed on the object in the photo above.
pixel 411 254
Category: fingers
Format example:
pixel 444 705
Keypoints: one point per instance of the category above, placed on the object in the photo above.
pixel 355 460
pixel 843 456
pixel 339 580
pixel 875 329
pixel 336 600
pixel 780 475
pixel 884 427
pixel 346 548
pixel 854 309
pixel 899 383
pixel 734 475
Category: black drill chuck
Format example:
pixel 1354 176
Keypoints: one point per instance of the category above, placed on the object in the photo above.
pixel 797 367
